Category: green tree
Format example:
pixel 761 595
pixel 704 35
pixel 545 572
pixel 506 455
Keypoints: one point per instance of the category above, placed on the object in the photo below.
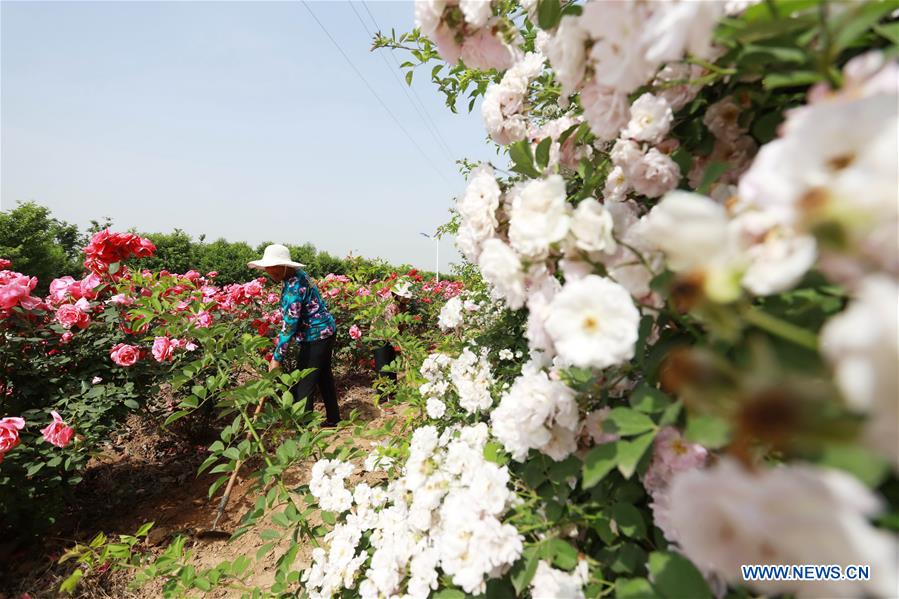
pixel 40 245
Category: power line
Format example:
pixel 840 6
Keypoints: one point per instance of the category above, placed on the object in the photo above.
pixel 415 93
pixel 374 93
pixel 404 87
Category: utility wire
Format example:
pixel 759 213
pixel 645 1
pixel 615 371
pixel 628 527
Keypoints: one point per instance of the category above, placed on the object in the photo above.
pixel 415 93
pixel 374 93
pixel 404 88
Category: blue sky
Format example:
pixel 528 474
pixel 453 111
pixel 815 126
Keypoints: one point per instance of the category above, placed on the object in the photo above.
pixel 234 119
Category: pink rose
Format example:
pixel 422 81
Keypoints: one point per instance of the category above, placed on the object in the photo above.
pixel 16 289
pixel 124 355
pixel 363 291
pixel 355 333
pixel 57 433
pixel 190 346
pixel 9 433
pixel 4 264
pixel 66 337
pixel 273 298
pixel 384 292
pixel 59 288
pixel 212 274
pixel 253 288
pixel 69 316
pixel 120 299
pixel 201 319
pixel 163 349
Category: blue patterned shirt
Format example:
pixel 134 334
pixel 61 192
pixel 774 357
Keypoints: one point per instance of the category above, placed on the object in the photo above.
pixel 304 313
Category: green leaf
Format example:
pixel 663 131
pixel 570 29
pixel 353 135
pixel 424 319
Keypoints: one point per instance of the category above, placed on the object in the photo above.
pixel 764 129
pixel 130 403
pixel 542 153
pixel 175 416
pixel 523 160
pixel 449 594
pixel 869 468
pixel 852 24
pixel 649 399
pixel 409 77
pixel 712 173
pixel 676 577
pixel 625 421
pixel 599 462
pixel 548 13
pixel 709 431
pixel 634 588
pixel 889 31
pixel 493 452
pixel 560 552
pixel 70 583
pixel 629 520
pixel 793 79
pixel 630 453
pixel 524 569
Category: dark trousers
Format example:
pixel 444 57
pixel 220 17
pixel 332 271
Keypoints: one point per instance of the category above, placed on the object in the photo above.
pixel 317 354
pixel 384 355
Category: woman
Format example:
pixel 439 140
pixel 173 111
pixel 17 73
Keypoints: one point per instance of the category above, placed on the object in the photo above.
pixel 306 318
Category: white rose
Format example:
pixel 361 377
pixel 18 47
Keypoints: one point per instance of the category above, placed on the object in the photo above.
pixel 650 119
pixel 862 344
pixel 593 322
pixel 654 174
pixel 478 206
pixel 691 229
pixel 726 516
pixel 502 269
pixel 539 216
pixel 592 226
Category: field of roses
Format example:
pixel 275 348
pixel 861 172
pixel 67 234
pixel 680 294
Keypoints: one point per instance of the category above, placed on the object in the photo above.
pixel 76 362
pixel 672 350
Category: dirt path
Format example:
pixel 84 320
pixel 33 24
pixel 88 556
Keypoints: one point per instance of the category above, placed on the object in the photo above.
pixel 149 476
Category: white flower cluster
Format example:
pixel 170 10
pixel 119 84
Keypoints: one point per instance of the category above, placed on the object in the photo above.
pixel 469 375
pixel 452 315
pixel 537 413
pixel 467 30
pixel 338 566
pixel 726 516
pixel 834 169
pixel 327 485
pixel 443 513
pixel 550 583
pixel 504 108
pixel 588 321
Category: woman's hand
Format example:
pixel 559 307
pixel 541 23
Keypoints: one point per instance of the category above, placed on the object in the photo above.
pixel 273 364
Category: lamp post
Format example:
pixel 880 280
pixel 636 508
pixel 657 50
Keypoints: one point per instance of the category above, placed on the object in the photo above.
pixel 437 242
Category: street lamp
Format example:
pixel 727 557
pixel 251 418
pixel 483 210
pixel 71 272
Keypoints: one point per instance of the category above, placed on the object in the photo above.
pixel 437 241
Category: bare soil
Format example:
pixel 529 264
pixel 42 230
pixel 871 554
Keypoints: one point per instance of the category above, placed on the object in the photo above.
pixel 147 474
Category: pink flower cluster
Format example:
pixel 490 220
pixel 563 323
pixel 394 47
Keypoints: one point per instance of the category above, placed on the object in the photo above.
pixel 164 347
pixel 56 433
pixel 9 434
pixel 15 290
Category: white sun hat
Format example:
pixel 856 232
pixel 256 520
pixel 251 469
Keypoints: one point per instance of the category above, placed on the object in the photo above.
pixel 402 289
pixel 275 255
